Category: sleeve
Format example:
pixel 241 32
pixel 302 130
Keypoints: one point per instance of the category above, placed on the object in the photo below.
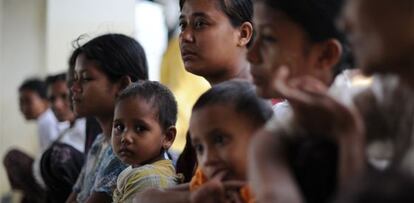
pixel 78 185
pixel 108 172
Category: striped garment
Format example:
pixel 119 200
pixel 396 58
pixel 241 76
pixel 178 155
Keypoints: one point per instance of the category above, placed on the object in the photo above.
pixel 160 174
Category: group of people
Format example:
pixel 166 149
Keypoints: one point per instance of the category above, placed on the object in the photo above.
pixel 281 122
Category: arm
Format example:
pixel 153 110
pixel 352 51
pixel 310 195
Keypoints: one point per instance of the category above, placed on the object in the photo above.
pixel 269 175
pixel 178 194
pixel 99 197
pixel 72 198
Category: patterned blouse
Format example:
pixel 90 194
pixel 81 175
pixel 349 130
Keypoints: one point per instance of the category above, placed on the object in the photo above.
pixel 100 172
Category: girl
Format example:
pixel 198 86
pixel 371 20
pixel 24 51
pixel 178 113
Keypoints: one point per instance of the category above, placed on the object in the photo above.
pixel 104 66
pixel 297 44
pixel 143 131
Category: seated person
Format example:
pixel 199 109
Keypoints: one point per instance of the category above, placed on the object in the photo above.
pixel 34 106
pixel 222 124
pixel 143 131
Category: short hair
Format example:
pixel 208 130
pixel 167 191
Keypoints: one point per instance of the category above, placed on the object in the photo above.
pixel 36 85
pixel 238 11
pixel 159 95
pixel 117 55
pixel 51 79
pixel 239 94
pixel 318 19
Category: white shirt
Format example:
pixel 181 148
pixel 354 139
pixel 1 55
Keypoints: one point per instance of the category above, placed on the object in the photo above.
pixel 76 135
pixel 48 129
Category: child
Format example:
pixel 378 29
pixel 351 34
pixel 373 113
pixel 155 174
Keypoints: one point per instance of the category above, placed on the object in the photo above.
pixel 222 123
pixel 143 130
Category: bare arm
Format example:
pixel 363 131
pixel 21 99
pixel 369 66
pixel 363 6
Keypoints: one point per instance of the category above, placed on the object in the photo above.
pixel 72 198
pixel 99 197
pixel 270 177
pixel 178 194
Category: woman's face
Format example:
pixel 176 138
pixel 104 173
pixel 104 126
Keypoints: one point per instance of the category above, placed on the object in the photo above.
pixel 208 41
pixel 92 92
pixel 279 42
pixel 381 33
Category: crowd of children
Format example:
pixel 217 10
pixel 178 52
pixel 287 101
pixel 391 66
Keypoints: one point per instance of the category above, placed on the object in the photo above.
pixel 322 141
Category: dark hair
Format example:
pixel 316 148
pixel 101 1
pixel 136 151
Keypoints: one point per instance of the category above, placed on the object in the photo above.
pixel 239 94
pixel 157 94
pixel 36 85
pixel 117 55
pixel 318 19
pixel 238 11
pixel 61 77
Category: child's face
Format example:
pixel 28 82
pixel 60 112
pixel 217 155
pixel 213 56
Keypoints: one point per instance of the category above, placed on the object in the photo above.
pixel 137 137
pixel 221 137
pixel 31 104
pixel 58 94
pixel 92 92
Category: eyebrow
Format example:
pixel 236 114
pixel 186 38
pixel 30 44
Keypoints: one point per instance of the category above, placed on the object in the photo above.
pixel 196 14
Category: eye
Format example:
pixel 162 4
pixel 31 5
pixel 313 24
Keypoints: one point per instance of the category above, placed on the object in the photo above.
pixel 139 128
pixel 219 140
pixel 268 38
pixel 199 24
pixel 118 128
pixel 198 148
pixel 182 25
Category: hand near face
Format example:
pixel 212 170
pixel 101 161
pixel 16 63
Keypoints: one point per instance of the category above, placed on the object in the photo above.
pixel 318 113
pixel 217 191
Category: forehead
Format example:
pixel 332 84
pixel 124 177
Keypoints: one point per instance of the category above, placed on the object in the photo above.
pixel 206 7
pixel 135 106
pixel 85 65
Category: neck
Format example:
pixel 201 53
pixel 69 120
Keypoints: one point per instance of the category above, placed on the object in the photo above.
pixel 240 70
pixel 106 124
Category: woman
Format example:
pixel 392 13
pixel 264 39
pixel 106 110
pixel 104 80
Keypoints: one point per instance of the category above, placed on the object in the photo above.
pixel 104 66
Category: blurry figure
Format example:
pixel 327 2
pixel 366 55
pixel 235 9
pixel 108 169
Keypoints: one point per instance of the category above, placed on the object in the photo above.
pixel 35 106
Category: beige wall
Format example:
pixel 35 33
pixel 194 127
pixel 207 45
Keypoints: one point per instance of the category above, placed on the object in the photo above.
pixel 22 55
pixel 35 40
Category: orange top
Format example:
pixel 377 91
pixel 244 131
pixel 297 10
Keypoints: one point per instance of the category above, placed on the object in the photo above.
pixel 199 179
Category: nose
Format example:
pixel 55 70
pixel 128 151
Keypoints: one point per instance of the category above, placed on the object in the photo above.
pixel 126 137
pixel 187 35
pixel 75 87
pixel 253 55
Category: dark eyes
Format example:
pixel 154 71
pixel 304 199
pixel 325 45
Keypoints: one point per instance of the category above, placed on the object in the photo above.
pixel 120 128
pixel 197 24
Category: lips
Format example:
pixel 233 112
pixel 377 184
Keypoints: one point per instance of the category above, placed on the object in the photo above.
pixel 188 54
pixel 124 152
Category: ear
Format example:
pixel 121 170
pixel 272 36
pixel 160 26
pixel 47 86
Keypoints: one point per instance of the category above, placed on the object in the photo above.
pixel 169 137
pixel 245 34
pixel 124 82
pixel 329 53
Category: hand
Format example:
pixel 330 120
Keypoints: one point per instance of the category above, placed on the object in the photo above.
pixel 218 191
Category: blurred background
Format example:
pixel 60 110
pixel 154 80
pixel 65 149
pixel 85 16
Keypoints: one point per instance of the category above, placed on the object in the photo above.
pixel 36 40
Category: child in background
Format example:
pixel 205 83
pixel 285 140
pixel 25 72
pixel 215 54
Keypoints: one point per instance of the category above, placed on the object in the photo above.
pixel 143 130
pixel 222 123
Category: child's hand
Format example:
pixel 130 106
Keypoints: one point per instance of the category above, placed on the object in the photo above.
pixel 218 191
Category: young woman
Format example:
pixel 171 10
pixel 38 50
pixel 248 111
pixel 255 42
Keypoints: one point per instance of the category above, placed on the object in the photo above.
pixel 214 38
pixel 104 66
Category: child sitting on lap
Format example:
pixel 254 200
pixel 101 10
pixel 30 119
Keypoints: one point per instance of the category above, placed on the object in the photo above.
pixel 143 131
